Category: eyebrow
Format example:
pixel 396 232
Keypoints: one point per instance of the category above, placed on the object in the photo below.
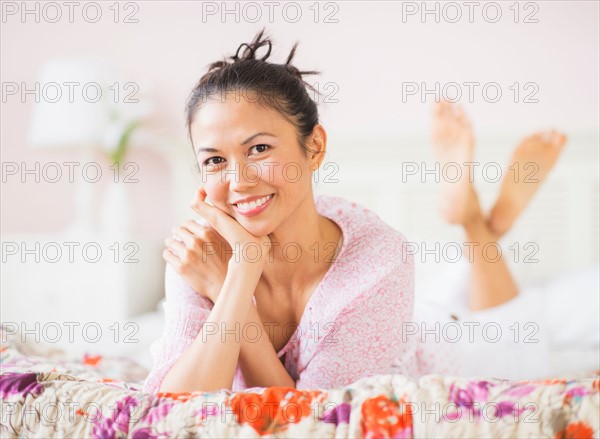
pixel 249 139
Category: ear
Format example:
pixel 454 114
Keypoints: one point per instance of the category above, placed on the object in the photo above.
pixel 317 145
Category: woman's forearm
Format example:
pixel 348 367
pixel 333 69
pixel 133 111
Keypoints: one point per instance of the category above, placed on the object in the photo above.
pixel 258 359
pixel 210 362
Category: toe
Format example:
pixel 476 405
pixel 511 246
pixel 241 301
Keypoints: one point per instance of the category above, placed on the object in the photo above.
pixel 562 139
pixel 546 136
pixel 445 108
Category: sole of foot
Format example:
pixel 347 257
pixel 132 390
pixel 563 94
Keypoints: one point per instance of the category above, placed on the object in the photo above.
pixel 529 166
pixel 453 142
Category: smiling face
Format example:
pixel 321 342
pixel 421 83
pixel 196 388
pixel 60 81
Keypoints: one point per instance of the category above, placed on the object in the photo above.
pixel 247 151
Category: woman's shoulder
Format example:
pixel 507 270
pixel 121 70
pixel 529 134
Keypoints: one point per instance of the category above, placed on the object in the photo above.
pixel 368 240
pixel 372 257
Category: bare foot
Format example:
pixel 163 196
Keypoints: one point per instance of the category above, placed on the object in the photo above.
pixel 453 143
pixel 531 161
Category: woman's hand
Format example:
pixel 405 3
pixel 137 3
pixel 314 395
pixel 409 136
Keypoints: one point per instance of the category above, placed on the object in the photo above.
pixel 202 255
pixel 246 248
pixel 199 255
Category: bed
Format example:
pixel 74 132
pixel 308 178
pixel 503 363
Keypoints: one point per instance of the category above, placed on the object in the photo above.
pixel 47 392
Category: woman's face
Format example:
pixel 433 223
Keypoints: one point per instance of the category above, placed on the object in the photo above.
pixel 246 151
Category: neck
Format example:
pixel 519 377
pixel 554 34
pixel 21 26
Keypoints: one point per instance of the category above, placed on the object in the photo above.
pixel 301 247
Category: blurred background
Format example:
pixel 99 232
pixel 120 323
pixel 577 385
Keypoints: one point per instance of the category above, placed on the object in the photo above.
pixel 82 238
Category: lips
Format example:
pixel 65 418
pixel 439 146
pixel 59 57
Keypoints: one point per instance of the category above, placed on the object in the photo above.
pixel 250 199
pixel 255 206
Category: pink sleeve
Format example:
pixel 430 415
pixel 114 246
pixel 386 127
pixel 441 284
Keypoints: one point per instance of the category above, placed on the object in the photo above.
pixel 185 312
pixel 367 334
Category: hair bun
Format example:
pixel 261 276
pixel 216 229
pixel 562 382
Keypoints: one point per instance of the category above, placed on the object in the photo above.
pixel 250 49
pixel 249 53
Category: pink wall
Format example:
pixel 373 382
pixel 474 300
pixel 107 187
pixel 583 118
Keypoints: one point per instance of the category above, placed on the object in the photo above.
pixel 367 53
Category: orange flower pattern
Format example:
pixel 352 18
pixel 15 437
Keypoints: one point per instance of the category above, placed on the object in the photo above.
pixel 386 418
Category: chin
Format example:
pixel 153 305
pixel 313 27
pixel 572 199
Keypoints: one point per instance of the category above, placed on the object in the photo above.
pixel 255 228
pixel 259 231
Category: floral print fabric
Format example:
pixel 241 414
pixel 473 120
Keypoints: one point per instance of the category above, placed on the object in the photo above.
pixel 101 397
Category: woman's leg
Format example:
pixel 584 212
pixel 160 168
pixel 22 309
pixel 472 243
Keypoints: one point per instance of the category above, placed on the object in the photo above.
pixel 529 165
pixel 490 282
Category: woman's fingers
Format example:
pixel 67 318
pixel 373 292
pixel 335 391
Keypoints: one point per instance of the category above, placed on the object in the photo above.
pixel 226 226
pixel 191 237
pixel 190 232
pixel 184 235
pixel 230 230
pixel 193 228
pixel 177 247
pixel 171 258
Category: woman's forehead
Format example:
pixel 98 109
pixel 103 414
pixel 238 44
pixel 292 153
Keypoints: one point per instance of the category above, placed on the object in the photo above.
pixel 236 121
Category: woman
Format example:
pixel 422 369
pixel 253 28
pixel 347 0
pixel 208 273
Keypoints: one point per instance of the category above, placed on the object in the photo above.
pixel 279 287
pixel 295 290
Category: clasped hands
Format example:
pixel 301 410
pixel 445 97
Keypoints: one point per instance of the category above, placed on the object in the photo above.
pixel 202 254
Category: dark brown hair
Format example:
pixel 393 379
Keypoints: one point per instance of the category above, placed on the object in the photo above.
pixel 276 86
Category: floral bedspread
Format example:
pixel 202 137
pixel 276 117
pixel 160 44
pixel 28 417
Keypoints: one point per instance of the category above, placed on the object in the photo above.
pixel 50 394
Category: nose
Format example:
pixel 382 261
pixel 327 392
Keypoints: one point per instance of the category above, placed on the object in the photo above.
pixel 244 175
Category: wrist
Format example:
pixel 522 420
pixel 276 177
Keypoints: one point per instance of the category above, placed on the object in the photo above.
pixel 245 267
pixel 245 275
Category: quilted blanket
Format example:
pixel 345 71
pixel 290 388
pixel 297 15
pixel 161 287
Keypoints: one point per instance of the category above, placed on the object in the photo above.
pixel 47 393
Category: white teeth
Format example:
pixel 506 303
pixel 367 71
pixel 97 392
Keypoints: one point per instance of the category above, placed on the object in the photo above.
pixel 254 204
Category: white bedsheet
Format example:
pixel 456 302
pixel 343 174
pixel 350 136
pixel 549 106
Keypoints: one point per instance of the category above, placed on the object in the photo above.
pixel 566 312
pixel 547 330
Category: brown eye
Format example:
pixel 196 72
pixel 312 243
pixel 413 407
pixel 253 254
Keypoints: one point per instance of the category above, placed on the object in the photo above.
pixel 266 147
pixel 208 162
